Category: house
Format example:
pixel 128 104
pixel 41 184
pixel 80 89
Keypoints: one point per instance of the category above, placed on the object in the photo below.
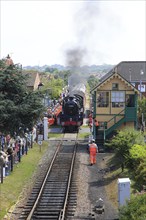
pixel 134 72
pixel 33 80
pixel 114 102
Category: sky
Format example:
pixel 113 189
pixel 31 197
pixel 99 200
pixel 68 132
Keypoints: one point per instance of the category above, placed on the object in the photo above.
pixel 73 32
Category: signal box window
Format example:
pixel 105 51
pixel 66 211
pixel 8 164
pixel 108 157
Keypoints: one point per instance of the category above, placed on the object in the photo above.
pixel 103 99
pixel 118 99
pixel 115 86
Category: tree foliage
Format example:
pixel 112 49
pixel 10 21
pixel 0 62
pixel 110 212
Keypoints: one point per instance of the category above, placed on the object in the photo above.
pixel 51 70
pixel 92 81
pixel 140 175
pixel 135 209
pixel 142 109
pixel 54 84
pixel 52 87
pixel 122 143
pixel 138 158
pixel 130 152
pixel 19 108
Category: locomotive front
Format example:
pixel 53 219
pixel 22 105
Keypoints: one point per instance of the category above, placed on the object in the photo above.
pixel 73 109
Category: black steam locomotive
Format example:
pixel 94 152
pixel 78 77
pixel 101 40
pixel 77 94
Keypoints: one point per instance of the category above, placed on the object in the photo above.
pixel 73 108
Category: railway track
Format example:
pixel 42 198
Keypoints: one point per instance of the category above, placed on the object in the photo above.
pixel 54 195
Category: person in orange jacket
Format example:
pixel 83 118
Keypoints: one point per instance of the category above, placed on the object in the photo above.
pixel 93 149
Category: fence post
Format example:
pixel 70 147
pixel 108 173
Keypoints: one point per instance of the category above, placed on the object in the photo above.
pixel 11 161
pixel 19 154
pixel 45 128
pixel 31 140
pixel 23 149
pixel 1 168
pixel 2 162
pixel 26 147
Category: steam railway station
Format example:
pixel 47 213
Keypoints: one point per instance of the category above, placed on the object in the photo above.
pixel 64 185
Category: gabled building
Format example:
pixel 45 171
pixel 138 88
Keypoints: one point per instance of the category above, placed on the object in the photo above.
pixel 114 102
pixel 33 80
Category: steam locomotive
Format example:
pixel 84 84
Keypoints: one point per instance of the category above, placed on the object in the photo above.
pixel 73 104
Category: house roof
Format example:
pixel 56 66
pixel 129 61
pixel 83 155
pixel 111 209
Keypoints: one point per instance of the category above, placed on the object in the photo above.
pixel 31 78
pixel 130 70
pixel 111 76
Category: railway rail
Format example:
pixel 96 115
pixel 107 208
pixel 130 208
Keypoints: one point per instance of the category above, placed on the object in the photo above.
pixel 54 195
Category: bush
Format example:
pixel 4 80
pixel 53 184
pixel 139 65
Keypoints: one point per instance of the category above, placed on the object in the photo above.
pixel 122 143
pixel 135 209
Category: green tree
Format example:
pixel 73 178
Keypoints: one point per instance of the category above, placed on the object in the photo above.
pixel 52 87
pixel 141 110
pixel 135 209
pixel 64 75
pixel 19 108
pixel 140 175
pixel 51 70
pixel 92 81
pixel 138 158
pixel 122 143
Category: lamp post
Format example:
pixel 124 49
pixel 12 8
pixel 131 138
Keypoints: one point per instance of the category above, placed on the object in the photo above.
pixel 46 98
pixel 142 115
pixel 141 73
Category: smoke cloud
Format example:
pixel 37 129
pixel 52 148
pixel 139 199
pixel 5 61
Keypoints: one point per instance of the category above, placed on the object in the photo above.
pixel 85 23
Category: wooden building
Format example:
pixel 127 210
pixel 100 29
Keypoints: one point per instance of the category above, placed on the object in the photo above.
pixel 114 102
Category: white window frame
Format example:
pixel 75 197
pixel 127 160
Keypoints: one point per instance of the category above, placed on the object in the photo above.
pixel 118 98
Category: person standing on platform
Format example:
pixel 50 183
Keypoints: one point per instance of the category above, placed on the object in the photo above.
pixel 96 125
pixel 90 122
pixel 93 149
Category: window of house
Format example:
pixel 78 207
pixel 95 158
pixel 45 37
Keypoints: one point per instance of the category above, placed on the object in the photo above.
pixel 118 99
pixel 115 86
pixel 103 99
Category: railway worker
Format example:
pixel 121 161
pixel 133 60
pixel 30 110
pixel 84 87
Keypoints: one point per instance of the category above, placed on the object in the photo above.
pixel 93 149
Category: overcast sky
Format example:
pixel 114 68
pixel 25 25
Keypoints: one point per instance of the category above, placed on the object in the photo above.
pixel 73 32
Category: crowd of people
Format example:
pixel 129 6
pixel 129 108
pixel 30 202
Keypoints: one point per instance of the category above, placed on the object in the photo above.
pixel 11 151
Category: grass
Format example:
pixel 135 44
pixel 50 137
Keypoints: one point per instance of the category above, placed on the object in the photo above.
pixel 112 187
pixel 111 179
pixel 55 135
pixel 84 135
pixel 20 177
